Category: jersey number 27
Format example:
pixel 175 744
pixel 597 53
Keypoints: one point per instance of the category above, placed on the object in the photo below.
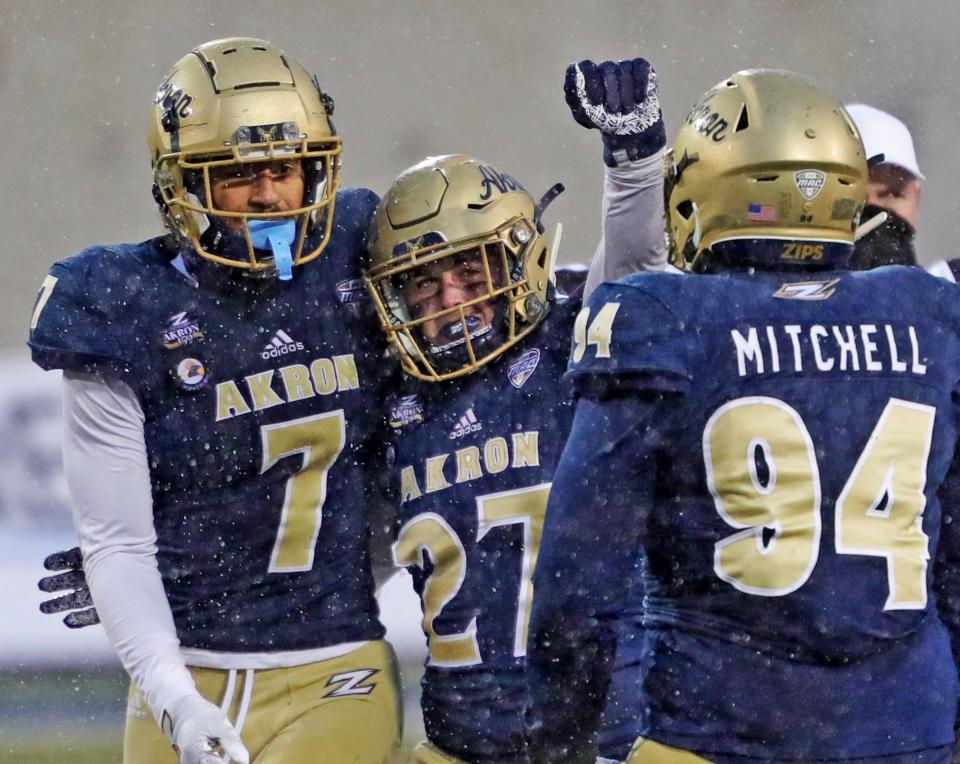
pixel 429 534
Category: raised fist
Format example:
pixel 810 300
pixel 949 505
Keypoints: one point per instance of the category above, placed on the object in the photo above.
pixel 620 99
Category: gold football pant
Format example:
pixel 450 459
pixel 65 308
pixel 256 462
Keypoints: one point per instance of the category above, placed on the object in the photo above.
pixel 345 710
pixel 643 752
pixel 427 753
pixel 651 752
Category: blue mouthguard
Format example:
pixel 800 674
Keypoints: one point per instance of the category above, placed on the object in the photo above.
pixel 276 235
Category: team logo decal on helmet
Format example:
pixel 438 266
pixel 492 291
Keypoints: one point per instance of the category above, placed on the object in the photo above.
pixel 810 183
pixel 417 243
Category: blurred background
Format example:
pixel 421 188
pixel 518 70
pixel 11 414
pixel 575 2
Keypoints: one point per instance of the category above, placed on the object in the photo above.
pixel 409 79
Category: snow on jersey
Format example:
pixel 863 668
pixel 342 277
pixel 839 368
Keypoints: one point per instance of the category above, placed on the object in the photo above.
pixel 259 403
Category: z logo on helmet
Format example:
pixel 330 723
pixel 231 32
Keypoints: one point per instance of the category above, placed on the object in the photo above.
pixel 429 239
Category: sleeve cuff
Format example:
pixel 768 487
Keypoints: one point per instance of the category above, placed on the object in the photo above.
pixel 638 171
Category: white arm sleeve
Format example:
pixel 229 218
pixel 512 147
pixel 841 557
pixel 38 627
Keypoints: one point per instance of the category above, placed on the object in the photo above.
pixel 632 222
pixel 105 458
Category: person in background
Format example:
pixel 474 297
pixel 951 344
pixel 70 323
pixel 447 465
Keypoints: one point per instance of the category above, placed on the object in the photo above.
pixel 893 187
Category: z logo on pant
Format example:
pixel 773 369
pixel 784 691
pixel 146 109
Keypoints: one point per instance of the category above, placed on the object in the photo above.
pixel 351 683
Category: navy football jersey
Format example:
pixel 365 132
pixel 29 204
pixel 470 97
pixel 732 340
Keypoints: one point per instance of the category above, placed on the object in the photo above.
pixel 260 401
pixel 474 461
pixel 803 428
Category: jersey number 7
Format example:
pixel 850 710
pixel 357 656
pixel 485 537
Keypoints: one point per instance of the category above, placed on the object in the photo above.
pixel 318 440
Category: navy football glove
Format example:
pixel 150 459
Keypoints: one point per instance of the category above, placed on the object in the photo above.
pixel 78 599
pixel 620 99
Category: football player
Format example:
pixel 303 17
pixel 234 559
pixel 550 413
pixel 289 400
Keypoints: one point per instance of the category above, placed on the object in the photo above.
pixel 220 399
pixel 460 274
pixel 769 437
pixel 486 723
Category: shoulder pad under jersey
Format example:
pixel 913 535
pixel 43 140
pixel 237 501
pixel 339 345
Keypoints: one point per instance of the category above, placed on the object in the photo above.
pixel 354 211
pixel 630 336
pixel 85 311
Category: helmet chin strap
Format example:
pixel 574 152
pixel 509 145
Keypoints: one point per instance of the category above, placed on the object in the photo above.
pixel 869 225
pixel 552 193
pixel 277 236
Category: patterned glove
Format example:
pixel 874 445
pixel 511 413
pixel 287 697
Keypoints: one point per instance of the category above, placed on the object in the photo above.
pixel 78 599
pixel 620 99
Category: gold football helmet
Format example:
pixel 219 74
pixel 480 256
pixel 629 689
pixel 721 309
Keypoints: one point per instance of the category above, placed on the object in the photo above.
pixel 766 168
pixel 235 108
pixel 459 268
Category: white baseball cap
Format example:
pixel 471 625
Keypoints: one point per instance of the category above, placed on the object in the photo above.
pixel 883 133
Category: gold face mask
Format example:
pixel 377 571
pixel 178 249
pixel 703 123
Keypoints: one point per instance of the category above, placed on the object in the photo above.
pixel 458 269
pixel 764 155
pixel 241 143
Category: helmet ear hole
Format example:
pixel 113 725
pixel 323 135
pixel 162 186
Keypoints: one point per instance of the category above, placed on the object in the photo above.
pixel 743 121
pixel 542 259
pixel 685 209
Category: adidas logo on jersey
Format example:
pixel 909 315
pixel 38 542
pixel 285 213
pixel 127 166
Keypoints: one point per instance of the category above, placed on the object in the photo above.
pixel 468 423
pixel 281 344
